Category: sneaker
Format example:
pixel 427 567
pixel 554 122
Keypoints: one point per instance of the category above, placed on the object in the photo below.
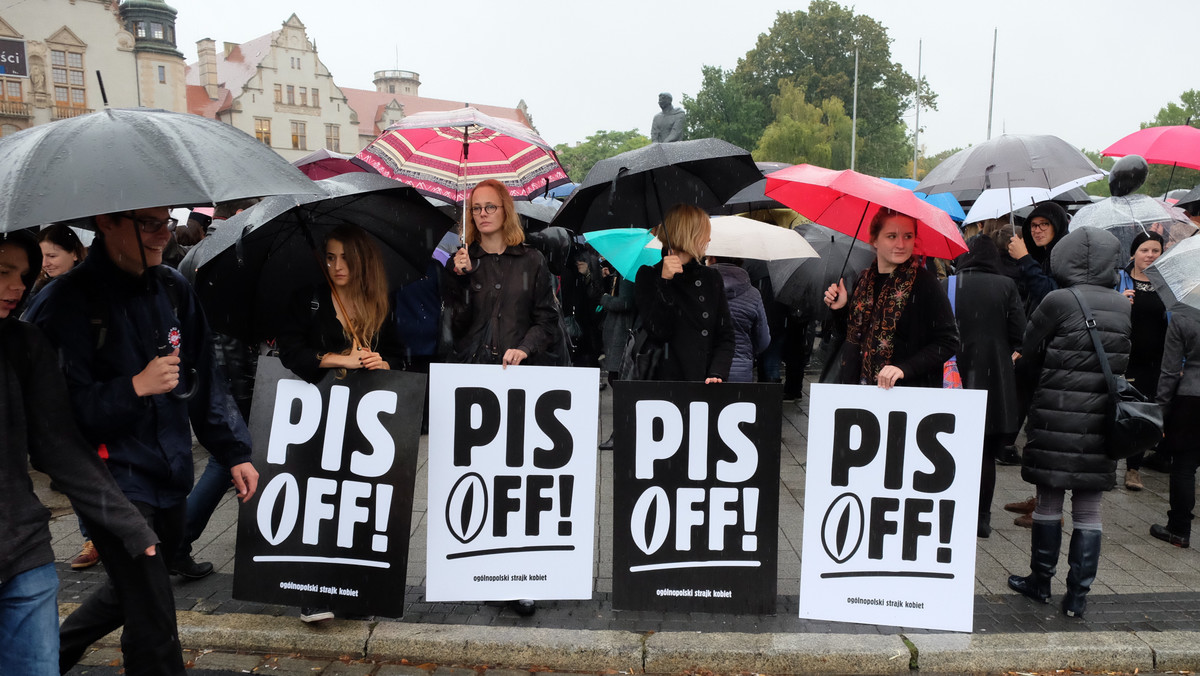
pixel 1133 480
pixel 87 557
pixel 1161 532
pixel 1022 507
pixel 314 615
pixel 187 567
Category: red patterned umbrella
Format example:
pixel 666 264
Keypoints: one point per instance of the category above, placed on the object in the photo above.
pixel 443 154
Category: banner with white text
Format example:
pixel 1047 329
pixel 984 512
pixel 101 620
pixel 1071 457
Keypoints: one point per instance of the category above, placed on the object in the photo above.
pixel 512 482
pixel 890 505
pixel 337 461
pixel 696 496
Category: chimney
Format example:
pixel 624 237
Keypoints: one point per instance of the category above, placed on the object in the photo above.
pixel 207 50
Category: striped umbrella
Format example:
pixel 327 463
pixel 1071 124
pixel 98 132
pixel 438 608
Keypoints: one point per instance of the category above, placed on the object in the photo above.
pixel 444 154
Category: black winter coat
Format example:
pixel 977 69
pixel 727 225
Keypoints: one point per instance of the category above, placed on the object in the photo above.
pixel 689 314
pixel 1069 411
pixel 307 333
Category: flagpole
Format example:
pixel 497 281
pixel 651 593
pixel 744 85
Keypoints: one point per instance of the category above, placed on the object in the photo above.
pixel 917 122
pixel 854 113
pixel 992 92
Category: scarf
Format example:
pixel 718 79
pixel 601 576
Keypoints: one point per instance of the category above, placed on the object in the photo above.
pixel 872 324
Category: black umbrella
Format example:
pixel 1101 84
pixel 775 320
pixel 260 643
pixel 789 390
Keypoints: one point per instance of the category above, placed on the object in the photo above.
pixel 1009 160
pixel 753 197
pixel 122 159
pixel 1190 200
pixel 248 269
pixel 635 188
pixel 800 283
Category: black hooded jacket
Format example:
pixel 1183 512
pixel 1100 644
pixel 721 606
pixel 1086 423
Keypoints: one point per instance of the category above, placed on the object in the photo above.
pixel 1034 278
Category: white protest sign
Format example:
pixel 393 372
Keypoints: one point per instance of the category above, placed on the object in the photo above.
pixel 512 482
pixel 890 508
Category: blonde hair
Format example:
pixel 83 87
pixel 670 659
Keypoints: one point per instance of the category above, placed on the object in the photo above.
pixel 368 296
pixel 513 233
pixel 682 229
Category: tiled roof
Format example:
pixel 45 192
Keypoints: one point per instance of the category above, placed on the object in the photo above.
pixel 198 102
pixel 236 69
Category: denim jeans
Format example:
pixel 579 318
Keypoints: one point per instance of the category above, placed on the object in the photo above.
pixel 29 623
pixel 202 502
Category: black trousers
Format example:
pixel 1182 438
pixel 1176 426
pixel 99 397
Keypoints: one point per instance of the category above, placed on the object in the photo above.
pixel 136 595
pixel 1181 428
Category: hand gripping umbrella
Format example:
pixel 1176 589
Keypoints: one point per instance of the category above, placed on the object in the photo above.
pixel 123 159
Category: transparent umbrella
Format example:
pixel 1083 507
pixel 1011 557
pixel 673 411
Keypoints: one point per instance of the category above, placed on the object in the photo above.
pixel 1176 276
pixel 1130 215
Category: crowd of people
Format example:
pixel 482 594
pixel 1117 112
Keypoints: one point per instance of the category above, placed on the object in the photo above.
pixel 133 339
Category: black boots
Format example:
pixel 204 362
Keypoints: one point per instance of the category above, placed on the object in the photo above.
pixel 1083 557
pixel 1045 538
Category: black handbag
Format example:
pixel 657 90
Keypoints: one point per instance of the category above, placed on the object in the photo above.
pixel 1135 422
pixel 642 356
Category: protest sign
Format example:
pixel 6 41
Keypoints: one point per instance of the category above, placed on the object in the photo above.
pixel 337 462
pixel 12 58
pixel 695 496
pixel 890 506
pixel 512 482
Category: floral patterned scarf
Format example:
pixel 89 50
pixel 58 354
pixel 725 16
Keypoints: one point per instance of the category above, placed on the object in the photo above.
pixel 872 324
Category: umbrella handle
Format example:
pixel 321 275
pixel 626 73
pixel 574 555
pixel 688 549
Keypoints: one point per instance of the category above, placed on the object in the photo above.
pixel 191 391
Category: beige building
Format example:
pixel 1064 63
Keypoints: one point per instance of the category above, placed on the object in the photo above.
pixel 65 42
pixel 276 88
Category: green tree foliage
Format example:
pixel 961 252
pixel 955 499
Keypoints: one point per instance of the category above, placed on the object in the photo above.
pixel 804 132
pixel 724 109
pixel 579 159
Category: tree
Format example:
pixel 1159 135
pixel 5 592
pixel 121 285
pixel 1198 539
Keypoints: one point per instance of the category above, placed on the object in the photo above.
pixel 724 109
pixel 578 159
pixel 803 132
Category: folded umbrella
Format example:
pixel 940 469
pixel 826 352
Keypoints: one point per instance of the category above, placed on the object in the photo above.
pixel 247 270
pixel 1130 215
pixel 122 159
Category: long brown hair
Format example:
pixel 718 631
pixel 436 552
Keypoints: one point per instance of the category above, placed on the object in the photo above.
pixel 367 299
pixel 62 236
pixel 513 233
pixel 681 229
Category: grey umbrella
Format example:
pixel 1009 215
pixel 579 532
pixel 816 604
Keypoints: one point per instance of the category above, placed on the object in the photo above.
pixel 801 282
pixel 635 188
pixel 1009 160
pixel 122 159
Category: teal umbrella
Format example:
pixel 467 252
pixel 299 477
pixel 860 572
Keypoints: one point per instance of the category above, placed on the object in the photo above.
pixel 624 248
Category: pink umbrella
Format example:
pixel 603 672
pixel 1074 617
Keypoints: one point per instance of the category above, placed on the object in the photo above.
pixel 323 163
pixel 1177 145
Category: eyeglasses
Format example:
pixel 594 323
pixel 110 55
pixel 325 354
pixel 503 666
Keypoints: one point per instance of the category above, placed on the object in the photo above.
pixel 488 209
pixel 1039 225
pixel 151 225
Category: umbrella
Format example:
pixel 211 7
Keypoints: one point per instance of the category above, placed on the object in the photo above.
pixel 740 237
pixel 943 200
pixel 1176 275
pixel 444 153
pixel 753 197
pixel 1130 215
pixel 563 191
pixel 847 201
pixel 625 248
pixel 800 283
pixel 1190 199
pixel 1176 145
pixel 1010 160
pixel 325 163
pixel 123 159
pixel 997 202
pixel 246 271
pixel 636 188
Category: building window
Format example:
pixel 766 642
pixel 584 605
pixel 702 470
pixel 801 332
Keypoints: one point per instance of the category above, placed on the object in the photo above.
pixel 315 99
pixel 278 93
pixel 304 96
pixel 66 70
pixel 391 89
pixel 156 31
pixel 291 95
pixel 140 29
pixel 7 129
pixel 11 90
pixel 333 139
pixel 299 138
pixel 262 130
pixel 162 74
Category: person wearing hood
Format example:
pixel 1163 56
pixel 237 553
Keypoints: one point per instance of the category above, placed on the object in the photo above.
pixel 1045 228
pixel 750 332
pixel 991 323
pixel 1068 418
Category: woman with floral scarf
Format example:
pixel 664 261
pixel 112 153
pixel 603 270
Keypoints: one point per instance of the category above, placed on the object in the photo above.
pixel 898 323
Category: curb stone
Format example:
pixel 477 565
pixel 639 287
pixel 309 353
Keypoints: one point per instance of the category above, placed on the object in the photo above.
pixel 1080 651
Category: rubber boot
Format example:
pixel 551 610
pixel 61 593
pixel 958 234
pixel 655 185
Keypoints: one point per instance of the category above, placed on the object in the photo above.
pixel 1083 557
pixel 1045 538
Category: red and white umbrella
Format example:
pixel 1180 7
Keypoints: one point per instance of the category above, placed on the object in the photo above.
pixel 444 154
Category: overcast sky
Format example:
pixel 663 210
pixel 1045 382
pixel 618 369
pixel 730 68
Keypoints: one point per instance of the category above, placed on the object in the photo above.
pixel 1087 71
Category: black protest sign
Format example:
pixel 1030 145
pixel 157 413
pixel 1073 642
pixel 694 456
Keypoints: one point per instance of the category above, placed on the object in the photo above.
pixel 695 496
pixel 337 462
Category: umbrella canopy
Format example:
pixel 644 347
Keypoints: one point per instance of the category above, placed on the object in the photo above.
pixel 325 163
pixel 636 188
pixel 1177 145
pixel 997 202
pixel 1176 275
pixel 624 248
pixel 444 154
pixel 1010 160
pixel 1130 215
pixel 943 200
pixel 800 283
pixel 123 159
pixel 1190 199
pixel 246 271
pixel 753 197
pixel 740 237
pixel 847 201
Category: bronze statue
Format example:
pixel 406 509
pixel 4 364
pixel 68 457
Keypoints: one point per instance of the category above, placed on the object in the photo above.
pixel 668 125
